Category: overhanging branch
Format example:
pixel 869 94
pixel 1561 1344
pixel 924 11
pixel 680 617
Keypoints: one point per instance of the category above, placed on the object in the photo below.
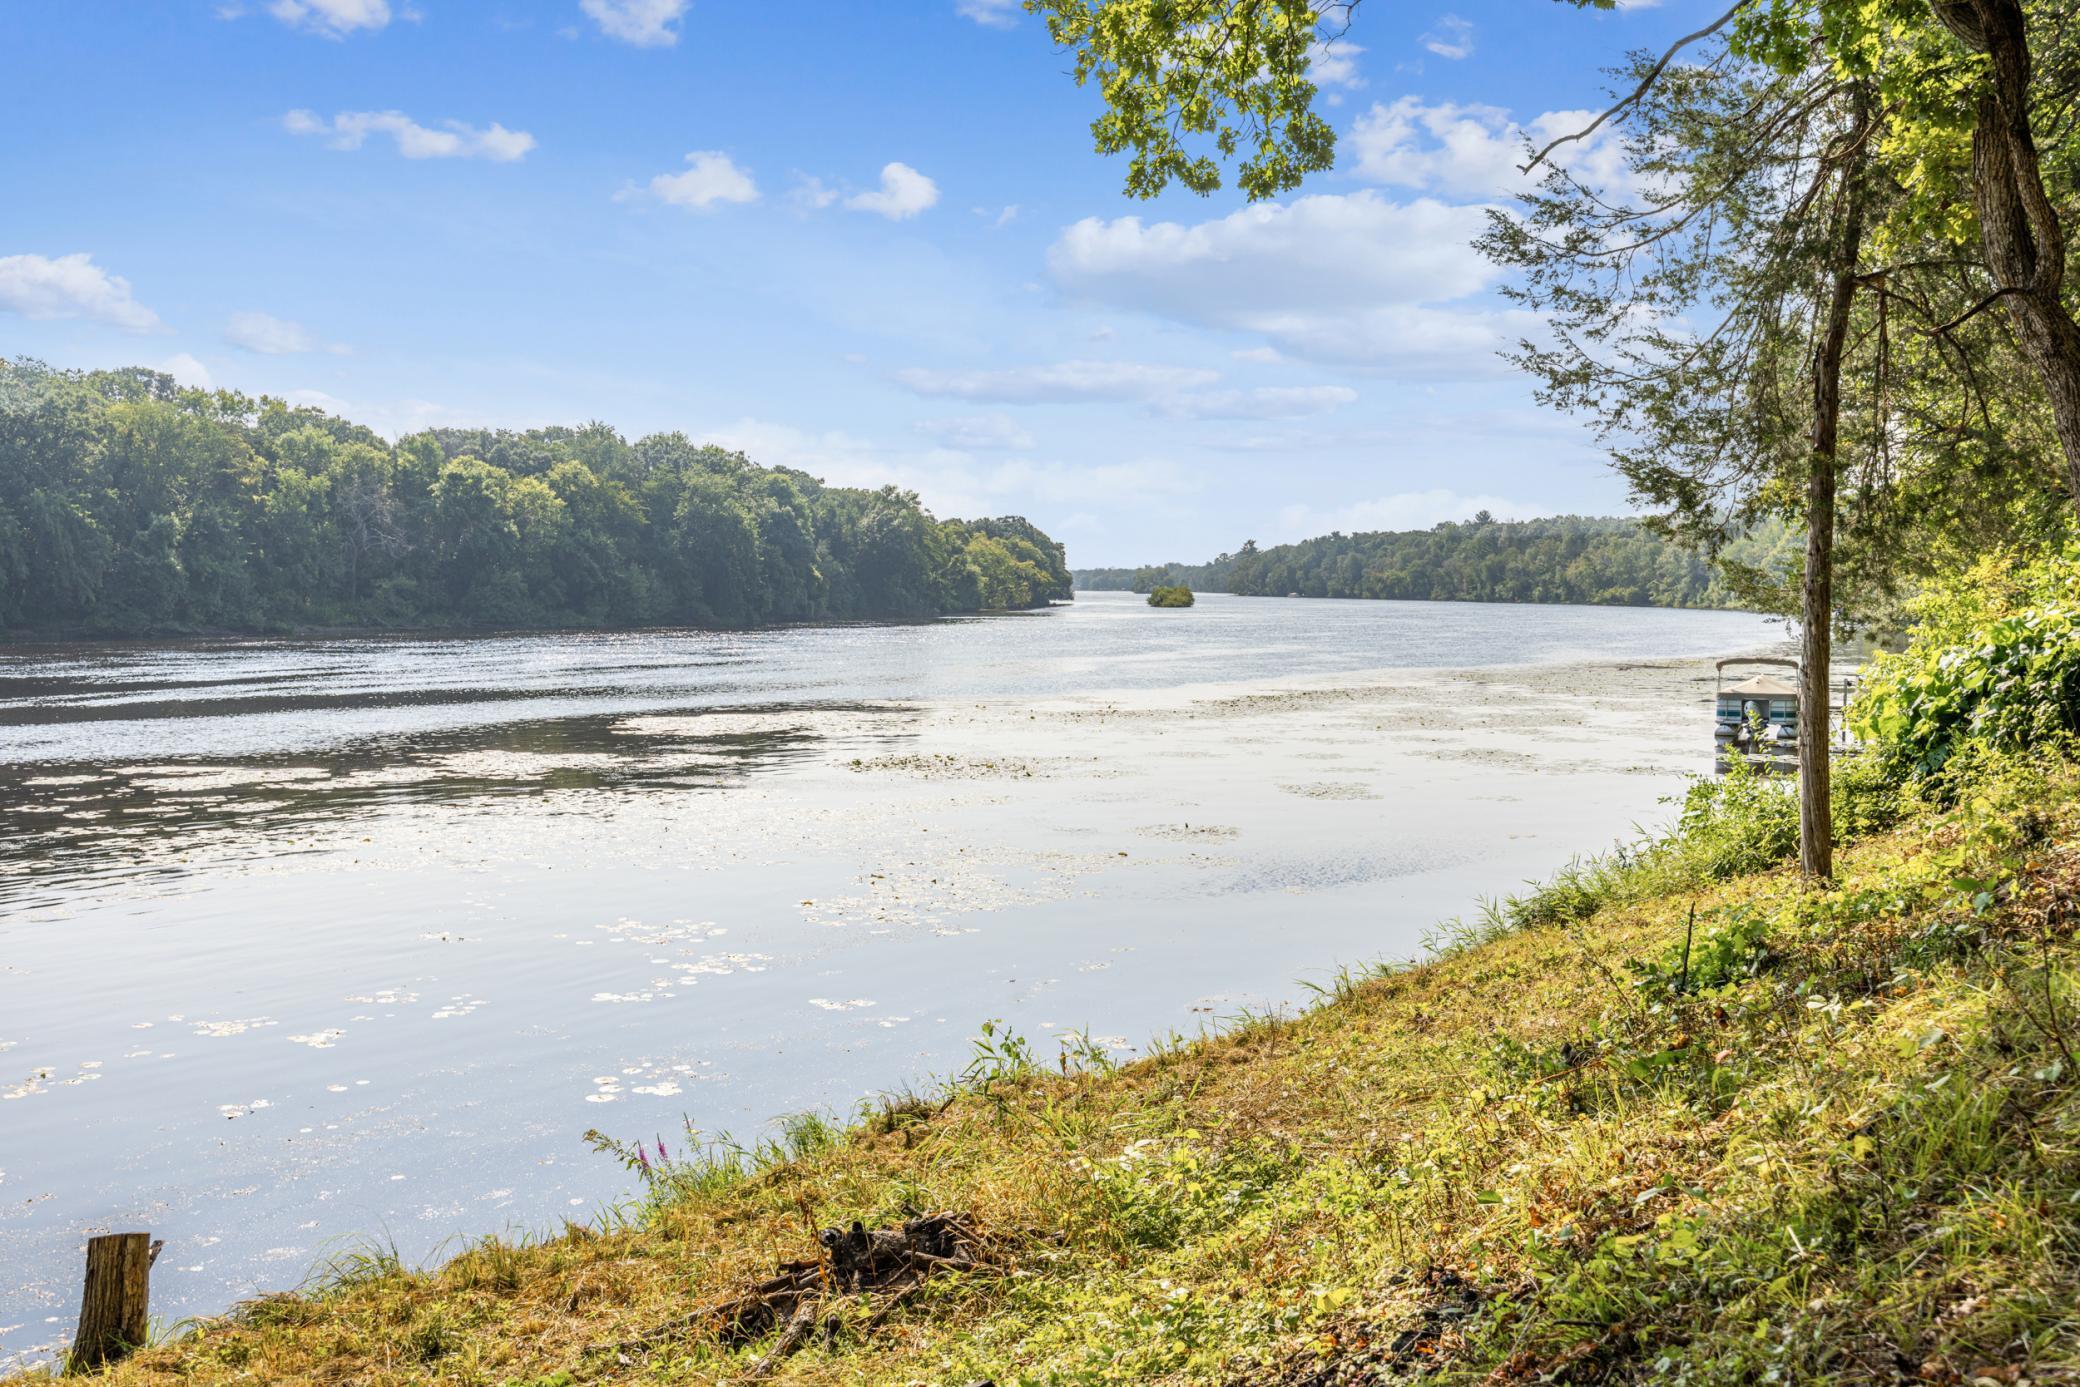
pixel 1645 85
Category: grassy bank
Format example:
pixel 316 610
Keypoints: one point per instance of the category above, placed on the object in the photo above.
pixel 1833 1139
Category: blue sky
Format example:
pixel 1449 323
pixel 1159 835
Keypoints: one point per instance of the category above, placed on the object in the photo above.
pixel 867 239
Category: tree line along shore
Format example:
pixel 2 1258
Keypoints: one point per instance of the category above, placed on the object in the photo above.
pixel 130 506
pixel 1587 560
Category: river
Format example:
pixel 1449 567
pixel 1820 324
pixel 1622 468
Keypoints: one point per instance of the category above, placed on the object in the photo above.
pixel 305 944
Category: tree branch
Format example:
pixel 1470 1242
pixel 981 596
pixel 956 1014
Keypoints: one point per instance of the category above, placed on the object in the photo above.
pixel 1646 83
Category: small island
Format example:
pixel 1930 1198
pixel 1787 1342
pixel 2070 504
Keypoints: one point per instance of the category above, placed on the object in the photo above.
pixel 1178 596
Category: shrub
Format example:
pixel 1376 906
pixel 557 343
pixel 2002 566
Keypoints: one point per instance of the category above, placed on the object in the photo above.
pixel 1179 596
pixel 1995 658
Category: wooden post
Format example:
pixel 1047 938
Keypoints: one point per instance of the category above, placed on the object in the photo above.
pixel 114 1309
pixel 1689 933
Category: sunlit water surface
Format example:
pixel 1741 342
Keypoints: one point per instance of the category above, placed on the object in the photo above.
pixel 310 942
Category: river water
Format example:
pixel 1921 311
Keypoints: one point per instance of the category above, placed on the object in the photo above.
pixel 307 944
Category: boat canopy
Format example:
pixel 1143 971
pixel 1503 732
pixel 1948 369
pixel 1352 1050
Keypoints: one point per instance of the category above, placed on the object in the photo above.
pixel 1760 686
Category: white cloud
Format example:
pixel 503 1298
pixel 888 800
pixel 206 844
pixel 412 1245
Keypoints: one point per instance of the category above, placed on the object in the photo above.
pixel 271 336
pixel 1365 279
pixel 945 479
pixel 710 177
pixel 1351 279
pixel 1432 438
pixel 1267 402
pixel 644 23
pixel 1061 383
pixel 812 193
pixel 835 456
pixel 318 399
pixel 1317 252
pixel 1404 510
pixel 71 286
pixel 1448 147
pixel 1410 341
pixel 904 192
pixel 994 14
pixel 1117 483
pixel 332 18
pixel 189 372
pixel 1263 356
pixel 979 432
pixel 1334 64
pixel 1472 150
pixel 1451 37
pixel 454 140
pixel 951 481
pixel 394 419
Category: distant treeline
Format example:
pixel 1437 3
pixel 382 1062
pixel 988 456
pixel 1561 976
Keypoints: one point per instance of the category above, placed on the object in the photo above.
pixel 1568 558
pixel 129 505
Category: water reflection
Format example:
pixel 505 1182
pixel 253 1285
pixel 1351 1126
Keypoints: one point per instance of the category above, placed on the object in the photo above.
pixel 62 818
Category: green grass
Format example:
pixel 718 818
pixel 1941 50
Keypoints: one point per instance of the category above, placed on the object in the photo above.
pixel 1673 1117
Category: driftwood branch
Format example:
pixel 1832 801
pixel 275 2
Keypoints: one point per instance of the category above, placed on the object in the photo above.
pixel 799 1326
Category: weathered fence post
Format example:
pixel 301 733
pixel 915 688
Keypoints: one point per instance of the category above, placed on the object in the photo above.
pixel 114 1309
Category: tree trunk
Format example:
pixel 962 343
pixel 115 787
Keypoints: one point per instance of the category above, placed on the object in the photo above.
pixel 115 1306
pixel 1816 653
pixel 2020 235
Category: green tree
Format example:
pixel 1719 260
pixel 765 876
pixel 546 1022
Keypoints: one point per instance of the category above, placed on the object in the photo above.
pixel 130 505
pixel 1561 559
